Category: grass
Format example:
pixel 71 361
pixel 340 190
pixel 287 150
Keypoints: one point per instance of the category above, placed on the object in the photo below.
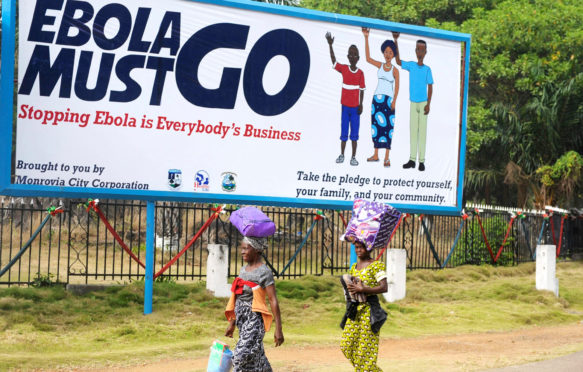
pixel 485 298
pixel 53 328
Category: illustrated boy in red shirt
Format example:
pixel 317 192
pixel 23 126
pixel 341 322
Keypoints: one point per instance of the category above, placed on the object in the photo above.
pixel 351 98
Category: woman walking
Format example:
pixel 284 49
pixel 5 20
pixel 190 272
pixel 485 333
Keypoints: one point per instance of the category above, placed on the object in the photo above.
pixel 247 309
pixel 364 318
pixel 384 99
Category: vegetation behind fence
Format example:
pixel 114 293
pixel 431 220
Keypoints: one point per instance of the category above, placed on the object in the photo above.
pixel 75 246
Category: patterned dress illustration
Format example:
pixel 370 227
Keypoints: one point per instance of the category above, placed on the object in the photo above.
pixel 382 116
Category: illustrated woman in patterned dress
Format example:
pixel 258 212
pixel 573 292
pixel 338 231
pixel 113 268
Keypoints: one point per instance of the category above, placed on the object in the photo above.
pixel 384 99
pixel 363 320
pixel 247 309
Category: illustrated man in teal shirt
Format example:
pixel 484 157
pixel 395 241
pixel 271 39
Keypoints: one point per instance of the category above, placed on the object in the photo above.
pixel 420 92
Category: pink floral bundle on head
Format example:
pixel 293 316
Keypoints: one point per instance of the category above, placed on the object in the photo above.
pixel 372 223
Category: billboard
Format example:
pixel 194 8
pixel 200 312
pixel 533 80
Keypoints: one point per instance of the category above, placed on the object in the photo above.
pixel 233 101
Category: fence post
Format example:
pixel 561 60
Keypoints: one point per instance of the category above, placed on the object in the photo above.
pixel 396 274
pixel 353 257
pixel 546 261
pixel 217 270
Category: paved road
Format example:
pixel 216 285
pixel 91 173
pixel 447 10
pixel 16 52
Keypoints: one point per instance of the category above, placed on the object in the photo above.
pixel 568 363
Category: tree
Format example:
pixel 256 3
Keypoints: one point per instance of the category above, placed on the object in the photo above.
pixel 404 11
pixel 525 91
pixel 281 2
pixel 560 180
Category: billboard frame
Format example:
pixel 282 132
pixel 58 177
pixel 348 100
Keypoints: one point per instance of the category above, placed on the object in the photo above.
pixel 7 121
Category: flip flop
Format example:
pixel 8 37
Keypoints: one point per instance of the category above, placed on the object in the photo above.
pixel 371 159
pixel 387 163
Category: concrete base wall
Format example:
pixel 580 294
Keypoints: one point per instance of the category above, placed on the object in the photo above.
pixel 396 274
pixel 217 270
pixel 546 263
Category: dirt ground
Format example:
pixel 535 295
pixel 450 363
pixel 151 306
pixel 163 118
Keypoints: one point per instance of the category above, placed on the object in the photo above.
pixel 464 352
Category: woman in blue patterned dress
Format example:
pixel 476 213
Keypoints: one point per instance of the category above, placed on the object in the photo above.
pixel 384 99
pixel 363 320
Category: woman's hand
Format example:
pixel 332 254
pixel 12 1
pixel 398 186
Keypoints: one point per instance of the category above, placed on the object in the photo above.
pixel 278 337
pixel 356 287
pixel 393 105
pixel 365 31
pixel 274 303
pixel 230 329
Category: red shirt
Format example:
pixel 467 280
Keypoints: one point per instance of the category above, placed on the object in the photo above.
pixel 352 84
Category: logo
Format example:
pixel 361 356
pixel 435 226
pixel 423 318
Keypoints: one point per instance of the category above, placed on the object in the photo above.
pixel 201 181
pixel 228 181
pixel 174 178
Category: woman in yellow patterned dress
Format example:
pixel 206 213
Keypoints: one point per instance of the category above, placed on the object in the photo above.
pixel 363 320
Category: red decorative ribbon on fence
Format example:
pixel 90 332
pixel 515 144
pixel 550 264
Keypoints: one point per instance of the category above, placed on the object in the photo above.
pixel 484 235
pixel 561 234
pixel 392 234
pixel 53 211
pixel 495 259
pixel 505 237
pixel 217 211
pixel 563 218
pixel 90 204
pixel 343 220
pixel 94 205
pixel 552 229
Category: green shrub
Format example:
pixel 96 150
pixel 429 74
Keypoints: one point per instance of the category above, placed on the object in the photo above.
pixel 477 253
pixel 44 280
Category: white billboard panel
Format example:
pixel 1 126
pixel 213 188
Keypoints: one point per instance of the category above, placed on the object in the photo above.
pixel 236 101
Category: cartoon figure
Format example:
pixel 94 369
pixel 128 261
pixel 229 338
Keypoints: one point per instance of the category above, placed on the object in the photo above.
pixel 420 92
pixel 384 99
pixel 351 99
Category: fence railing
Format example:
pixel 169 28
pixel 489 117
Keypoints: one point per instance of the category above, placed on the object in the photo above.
pixel 75 247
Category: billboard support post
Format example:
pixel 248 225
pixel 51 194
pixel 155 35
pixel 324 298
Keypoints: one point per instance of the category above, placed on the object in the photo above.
pixel 353 257
pixel 7 88
pixel 149 281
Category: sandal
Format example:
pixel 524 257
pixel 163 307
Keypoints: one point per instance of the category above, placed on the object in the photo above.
pixel 387 163
pixel 372 158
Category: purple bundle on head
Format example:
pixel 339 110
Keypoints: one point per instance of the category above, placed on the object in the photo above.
pixel 250 221
pixel 372 223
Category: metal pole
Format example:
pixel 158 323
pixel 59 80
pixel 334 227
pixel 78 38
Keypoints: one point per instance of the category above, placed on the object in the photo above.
pixel 353 257
pixel 149 282
pixel 7 87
